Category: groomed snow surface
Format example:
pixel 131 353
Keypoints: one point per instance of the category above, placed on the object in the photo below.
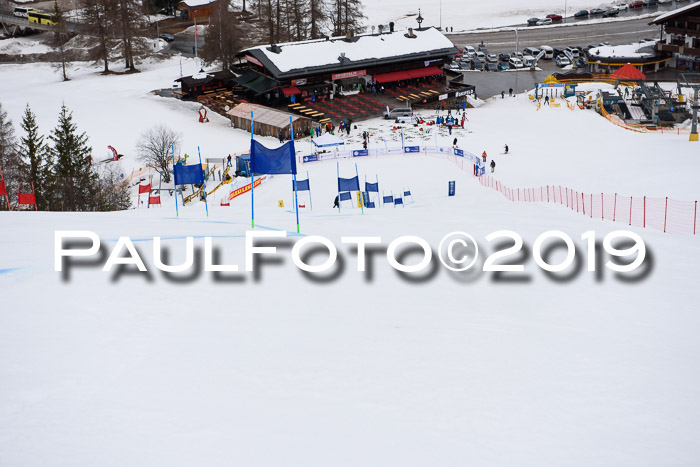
pixel 366 369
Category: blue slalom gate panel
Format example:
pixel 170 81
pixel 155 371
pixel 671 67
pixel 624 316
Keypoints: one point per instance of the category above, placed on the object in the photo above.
pixel 398 201
pixel 372 187
pixel 451 188
pixel 388 199
pixel 345 196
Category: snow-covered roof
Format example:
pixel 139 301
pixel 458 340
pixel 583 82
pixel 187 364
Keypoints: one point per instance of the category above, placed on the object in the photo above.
pixel 349 53
pixel 672 13
pixel 196 3
pixel 636 50
pixel 264 115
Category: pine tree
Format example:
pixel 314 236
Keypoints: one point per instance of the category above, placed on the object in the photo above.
pixel 75 185
pixel 10 163
pixel 33 152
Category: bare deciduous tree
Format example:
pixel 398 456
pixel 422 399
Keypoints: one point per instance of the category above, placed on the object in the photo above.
pixel 99 18
pixel 155 149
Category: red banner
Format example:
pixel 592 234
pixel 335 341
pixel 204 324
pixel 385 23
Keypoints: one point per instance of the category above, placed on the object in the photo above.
pixel 154 200
pixel 349 74
pixel 27 198
pixel 244 189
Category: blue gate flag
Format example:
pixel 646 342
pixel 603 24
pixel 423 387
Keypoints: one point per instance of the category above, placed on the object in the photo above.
pixel 188 174
pixel 349 184
pixel 345 196
pixel 302 185
pixel 365 197
pixel 273 161
pixel 388 199
pixel 372 187
pixel 407 193
pixel 398 201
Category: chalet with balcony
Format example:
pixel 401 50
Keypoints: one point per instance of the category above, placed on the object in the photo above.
pixel 680 36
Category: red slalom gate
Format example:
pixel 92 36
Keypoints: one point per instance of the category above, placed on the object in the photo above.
pixel 665 214
pixel 26 199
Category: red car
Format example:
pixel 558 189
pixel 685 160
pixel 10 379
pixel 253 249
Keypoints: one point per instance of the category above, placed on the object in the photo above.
pixel 637 4
pixel 554 17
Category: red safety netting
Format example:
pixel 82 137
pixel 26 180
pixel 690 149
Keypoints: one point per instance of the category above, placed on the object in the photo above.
pixel 664 214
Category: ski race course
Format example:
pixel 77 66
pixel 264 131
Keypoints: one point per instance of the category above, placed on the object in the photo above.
pixel 346 368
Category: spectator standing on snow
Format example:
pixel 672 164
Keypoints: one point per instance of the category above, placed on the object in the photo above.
pixel 454 143
pixel 506 149
pixel 335 203
pixel 546 100
pixel 483 156
pixel 510 91
pixel 493 165
pixel 503 94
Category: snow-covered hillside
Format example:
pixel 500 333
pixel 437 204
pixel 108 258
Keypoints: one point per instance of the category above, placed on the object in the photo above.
pixel 374 368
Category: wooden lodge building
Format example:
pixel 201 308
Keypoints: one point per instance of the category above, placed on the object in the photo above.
pixel 278 74
pixel 680 36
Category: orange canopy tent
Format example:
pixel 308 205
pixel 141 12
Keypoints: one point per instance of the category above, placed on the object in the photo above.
pixel 628 72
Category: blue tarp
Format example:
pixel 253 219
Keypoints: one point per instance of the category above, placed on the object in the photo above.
pixel 302 185
pixel 372 187
pixel 273 161
pixel 349 184
pixel 344 196
pixel 189 174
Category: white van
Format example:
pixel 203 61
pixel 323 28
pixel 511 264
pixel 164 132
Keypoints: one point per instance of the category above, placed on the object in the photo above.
pixel 548 52
pixel 397 112
pixel 531 51
pixel 22 12
pixel 528 60
pixel 469 50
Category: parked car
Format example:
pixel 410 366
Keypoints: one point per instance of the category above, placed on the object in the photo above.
pixel 166 37
pixel 556 52
pixel 517 55
pixel 532 21
pixel 621 6
pixel 581 14
pixel 664 2
pixel 573 51
pixel 528 60
pixel 597 11
pixel 610 13
pixel 548 52
pixel 554 17
pixel 562 61
pixel 476 64
pixel 651 2
pixel 490 67
pixel 544 22
pixel 481 56
pixel 492 58
pixel 637 4
pixel 531 51
pixel 515 63
pixel 503 66
pixel 469 50
pixel 504 57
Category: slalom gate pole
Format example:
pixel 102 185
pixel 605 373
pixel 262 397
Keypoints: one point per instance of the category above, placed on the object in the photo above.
pixel 252 175
pixel 204 184
pixel 379 201
pixel 337 166
pixel 362 204
pixel 308 182
pixel 177 212
pixel 296 199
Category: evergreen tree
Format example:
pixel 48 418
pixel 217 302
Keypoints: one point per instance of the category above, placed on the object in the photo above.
pixel 222 38
pixel 75 185
pixel 33 152
pixel 10 163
